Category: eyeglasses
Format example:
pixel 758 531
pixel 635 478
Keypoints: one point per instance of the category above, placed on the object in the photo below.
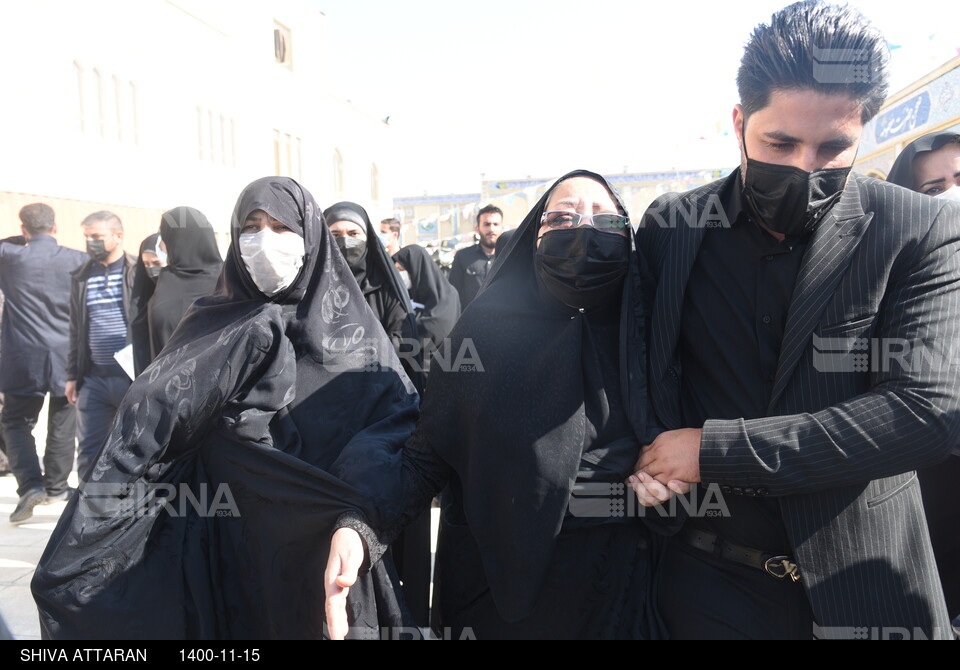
pixel 601 221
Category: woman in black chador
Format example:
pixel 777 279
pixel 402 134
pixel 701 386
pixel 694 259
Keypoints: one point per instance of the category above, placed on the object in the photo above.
pixel 931 165
pixel 435 301
pixel 208 512
pixel 150 261
pixel 535 415
pixel 193 266
pixel 379 281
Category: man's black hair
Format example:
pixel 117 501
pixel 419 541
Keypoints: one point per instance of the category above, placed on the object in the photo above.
pixel 37 218
pixel 489 209
pixel 811 45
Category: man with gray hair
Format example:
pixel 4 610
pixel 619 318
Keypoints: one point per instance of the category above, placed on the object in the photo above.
pixel 35 280
pixel 101 311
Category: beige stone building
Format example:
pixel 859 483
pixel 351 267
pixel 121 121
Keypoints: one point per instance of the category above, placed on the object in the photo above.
pixel 141 106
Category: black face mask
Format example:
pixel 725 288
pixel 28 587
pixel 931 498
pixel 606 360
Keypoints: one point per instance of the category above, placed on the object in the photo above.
pixel 582 267
pixel 97 250
pixel 154 272
pixel 788 200
pixel 354 250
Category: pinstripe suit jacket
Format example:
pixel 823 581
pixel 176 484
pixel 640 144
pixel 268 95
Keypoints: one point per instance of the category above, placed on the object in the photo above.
pixel 840 443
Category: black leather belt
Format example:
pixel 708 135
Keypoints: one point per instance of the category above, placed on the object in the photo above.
pixel 774 565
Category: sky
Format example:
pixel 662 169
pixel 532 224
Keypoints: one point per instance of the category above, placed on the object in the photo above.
pixel 506 89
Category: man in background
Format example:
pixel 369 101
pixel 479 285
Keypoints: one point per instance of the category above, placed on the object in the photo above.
pixel 101 311
pixel 470 265
pixel 35 280
pixel 390 235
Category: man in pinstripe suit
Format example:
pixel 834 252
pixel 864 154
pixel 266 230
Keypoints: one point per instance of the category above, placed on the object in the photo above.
pixel 801 358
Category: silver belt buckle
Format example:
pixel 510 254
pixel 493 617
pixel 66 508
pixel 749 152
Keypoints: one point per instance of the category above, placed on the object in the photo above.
pixel 781 567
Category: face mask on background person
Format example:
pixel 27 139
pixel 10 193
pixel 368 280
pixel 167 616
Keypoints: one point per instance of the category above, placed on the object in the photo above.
pixel 405 276
pixel 272 259
pixel 352 248
pixel 786 199
pixel 97 250
pixel 154 271
pixel 582 267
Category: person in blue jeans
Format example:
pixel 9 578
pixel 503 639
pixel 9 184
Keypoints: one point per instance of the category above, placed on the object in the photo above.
pixel 101 311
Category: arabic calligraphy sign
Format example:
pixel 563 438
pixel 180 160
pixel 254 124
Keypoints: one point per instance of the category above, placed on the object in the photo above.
pixel 909 115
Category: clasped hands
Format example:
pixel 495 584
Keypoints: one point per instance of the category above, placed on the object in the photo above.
pixel 667 467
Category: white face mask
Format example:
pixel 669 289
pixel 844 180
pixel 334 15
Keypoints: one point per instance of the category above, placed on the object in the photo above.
pixel 405 276
pixel 952 193
pixel 272 259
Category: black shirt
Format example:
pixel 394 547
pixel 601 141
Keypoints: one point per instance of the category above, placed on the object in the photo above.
pixel 469 271
pixel 734 316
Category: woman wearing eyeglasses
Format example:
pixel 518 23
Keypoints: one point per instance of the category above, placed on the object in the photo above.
pixel 534 420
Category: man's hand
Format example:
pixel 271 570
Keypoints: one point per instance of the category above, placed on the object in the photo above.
pixel 343 564
pixel 674 457
pixel 71 392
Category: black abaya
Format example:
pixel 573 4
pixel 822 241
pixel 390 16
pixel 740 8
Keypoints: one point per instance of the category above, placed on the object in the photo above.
pixel 193 266
pixel 269 408
pixel 530 398
pixel 143 287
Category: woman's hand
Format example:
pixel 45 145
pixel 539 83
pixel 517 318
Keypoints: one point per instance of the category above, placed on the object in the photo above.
pixel 346 557
pixel 651 492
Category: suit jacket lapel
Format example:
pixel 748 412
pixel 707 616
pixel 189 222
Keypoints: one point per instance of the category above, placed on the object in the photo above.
pixel 824 265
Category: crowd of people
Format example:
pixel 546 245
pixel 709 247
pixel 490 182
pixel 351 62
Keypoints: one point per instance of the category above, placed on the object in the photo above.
pixel 636 428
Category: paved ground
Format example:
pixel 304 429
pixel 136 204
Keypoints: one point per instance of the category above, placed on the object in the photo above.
pixel 20 549
pixel 22 545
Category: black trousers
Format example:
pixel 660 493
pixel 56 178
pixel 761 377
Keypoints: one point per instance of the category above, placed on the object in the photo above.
pixel 19 418
pixel 941 502
pixel 702 597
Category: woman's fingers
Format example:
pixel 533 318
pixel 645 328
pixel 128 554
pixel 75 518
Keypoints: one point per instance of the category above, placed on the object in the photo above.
pixel 649 491
pixel 343 564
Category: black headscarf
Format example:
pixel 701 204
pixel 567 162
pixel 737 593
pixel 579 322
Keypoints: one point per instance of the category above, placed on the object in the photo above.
pixel 428 287
pixel 193 266
pixel 511 421
pixel 902 171
pixel 383 288
pixel 143 287
pixel 277 403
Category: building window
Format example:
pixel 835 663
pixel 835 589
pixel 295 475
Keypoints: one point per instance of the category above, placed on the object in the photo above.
pixel 286 154
pixel 201 135
pixel 216 137
pixel 374 183
pixel 282 43
pixel 106 104
pixel 81 92
pixel 224 144
pixel 134 113
pixel 101 103
pixel 298 164
pixel 233 142
pixel 118 105
pixel 337 172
